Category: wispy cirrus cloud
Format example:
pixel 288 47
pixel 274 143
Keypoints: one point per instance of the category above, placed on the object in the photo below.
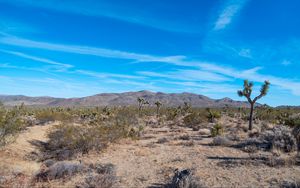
pixel 231 9
pixel 107 75
pixel 253 75
pixel 118 11
pixel 188 75
pixel 61 66
pixel 87 50
pixel 207 71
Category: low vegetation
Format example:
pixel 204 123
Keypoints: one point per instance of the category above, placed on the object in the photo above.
pixel 245 137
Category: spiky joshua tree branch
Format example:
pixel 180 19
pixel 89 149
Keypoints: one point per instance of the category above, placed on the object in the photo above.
pixel 247 91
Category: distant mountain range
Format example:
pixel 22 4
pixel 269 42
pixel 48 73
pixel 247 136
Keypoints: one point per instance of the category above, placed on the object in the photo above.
pixel 123 99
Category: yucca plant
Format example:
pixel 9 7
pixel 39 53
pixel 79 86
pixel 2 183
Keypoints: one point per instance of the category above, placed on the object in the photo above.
pixel 247 91
pixel 158 105
pixel 141 103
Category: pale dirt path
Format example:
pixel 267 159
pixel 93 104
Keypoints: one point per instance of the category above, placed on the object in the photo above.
pixel 13 156
pixel 146 163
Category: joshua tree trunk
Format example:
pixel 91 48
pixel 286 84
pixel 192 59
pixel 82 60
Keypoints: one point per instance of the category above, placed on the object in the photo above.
pixel 251 116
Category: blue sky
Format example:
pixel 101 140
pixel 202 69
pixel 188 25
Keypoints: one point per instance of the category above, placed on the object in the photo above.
pixel 75 48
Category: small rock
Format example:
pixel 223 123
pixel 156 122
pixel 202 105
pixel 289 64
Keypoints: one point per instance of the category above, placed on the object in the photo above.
pixel 204 131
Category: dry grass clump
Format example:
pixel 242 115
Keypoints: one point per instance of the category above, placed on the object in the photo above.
pixel 162 140
pixel 59 170
pixel 290 184
pixel 99 176
pixel 279 138
pixel 221 141
pixel 185 179
pixel 92 175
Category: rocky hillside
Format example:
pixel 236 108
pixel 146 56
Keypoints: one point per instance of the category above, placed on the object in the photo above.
pixel 122 99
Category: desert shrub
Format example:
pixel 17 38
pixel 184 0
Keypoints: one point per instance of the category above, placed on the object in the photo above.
pixel 54 114
pixel 59 170
pixel 212 115
pixel 216 130
pixel 102 176
pixel 221 141
pixel 184 137
pixel 279 138
pixel 10 125
pixel 73 139
pixel 162 140
pixel 193 119
pixel 296 133
pixel 293 121
pixel 290 184
pixel 172 113
pixel 185 179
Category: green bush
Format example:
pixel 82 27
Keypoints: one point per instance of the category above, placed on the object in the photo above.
pixel 94 135
pixel 293 122
pixel 10 125
pixel 216 130
pixel 194 119
pixel 212 115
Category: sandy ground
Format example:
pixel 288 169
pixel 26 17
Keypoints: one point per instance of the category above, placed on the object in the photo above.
pixel 148 163
pixel 13 158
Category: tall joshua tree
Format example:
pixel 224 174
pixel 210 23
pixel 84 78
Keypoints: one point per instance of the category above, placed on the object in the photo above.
pixel 158 105
pixel 246 92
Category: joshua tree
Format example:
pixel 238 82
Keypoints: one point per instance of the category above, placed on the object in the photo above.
pixel 246 92
pixel 158 105
pixel 141 102
pixel 186 107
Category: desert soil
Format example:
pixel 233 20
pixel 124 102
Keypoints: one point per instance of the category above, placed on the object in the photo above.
pixel 149 163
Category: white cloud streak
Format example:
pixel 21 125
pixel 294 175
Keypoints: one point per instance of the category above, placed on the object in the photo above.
pixel 206 71
pixel 188 75
pixel 87 50
pixel 38 59
pixel 231 9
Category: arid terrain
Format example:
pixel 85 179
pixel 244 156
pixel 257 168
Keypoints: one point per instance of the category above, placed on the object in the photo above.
pixel 49 153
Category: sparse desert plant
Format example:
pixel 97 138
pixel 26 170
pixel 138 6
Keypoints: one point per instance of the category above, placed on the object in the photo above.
pixel 185 179
pixel 10 125
pixel 296 133
pixel 221 141
pixel 290 184
pixel 212 115
pixel 158 105
pixel 61 169
pixel 193 119
pixel 82 138
pixel 104 176
pixel 186 108
pixel 216 130
pixel 279 138
pixel 247 91
pixel 293 121
pixel 141 103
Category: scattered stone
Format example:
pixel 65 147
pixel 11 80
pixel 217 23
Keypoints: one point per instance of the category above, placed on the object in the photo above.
pixel 204 131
